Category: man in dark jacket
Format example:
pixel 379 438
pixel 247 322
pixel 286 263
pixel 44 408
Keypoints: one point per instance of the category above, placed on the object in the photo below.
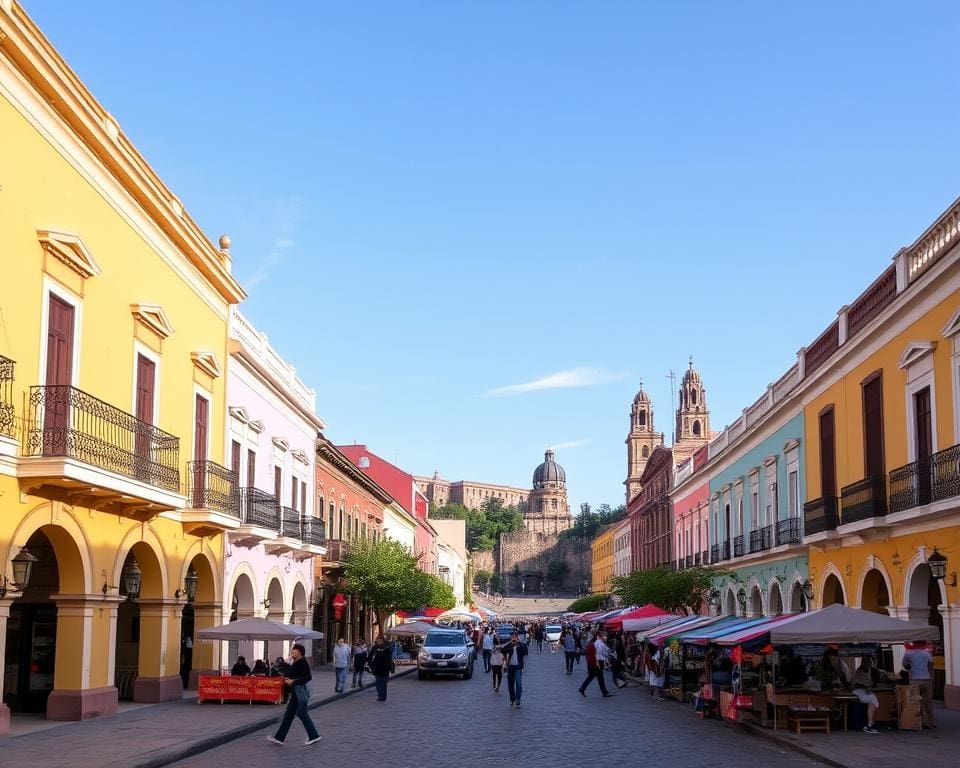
pixel 298 675
pixel 594 670
pixel 514 652
pixel 380 661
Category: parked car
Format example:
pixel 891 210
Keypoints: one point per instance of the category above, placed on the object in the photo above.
pixel 551 633
pixel 446 652
pixel 503 632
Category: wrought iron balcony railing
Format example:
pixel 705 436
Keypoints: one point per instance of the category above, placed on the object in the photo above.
pixel 696 558
pixel 789 531
pixel 932 479
pixel 820 515
pixel 725 550
pixel 761 539
pixel 705 558
pixel 714 553
pixel 738 546
pixel 311 530
pixel 259 508
pixel 289 523
pixel 64 421
pixel 863 500
pixel 211 486
pixel 688 561
pixel 7 413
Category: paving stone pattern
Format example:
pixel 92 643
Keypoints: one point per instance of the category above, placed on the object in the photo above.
pixel 444 723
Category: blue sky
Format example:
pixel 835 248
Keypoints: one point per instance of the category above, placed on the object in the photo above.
pixel 432 201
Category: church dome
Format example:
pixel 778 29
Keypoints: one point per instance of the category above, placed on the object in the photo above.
pixel 642 396
pixel 691 376
pixel 548 472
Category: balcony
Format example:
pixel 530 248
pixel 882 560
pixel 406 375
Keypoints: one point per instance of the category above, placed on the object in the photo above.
pixel 259 517
pixel 714 553
pixel 312 535
pixel 688 561
pixel 696 558
pixel 761 539
pixel 820 515
pixel 725 550
pixel 338 550
pixel 922 482
pixel 81 450
pixel 705 558
pixel 738 546
pixel 288 533
pixel 789 531
pixel 863 500
pixel 212 501
pixel 7 413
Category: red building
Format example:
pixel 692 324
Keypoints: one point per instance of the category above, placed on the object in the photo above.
pixel 651 518
pixel 403 488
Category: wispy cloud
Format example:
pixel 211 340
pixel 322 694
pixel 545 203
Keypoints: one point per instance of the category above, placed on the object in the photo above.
pixel 287 215
pixel 572 443
pixel 575 377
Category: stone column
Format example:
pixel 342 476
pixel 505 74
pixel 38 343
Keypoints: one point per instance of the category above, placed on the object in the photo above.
pixel 4 709
pixel 951 654
pixel 80 688
pixel 158 677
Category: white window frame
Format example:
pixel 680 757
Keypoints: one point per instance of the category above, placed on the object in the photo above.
pixel 49 287
pixel 756 510
pixel 737 509
pixel 919 369
pixel 771 508
pixel 792 455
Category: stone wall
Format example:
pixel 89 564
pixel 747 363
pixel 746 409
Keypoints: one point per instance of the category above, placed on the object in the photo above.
pixel 533 553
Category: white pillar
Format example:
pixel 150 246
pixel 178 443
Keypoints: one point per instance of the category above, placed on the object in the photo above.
pixel 951 655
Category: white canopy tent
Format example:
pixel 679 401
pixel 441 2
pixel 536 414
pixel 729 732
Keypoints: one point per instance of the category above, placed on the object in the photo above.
pixel 257 628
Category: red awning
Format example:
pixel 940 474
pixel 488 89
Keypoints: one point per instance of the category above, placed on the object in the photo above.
pixel 643 612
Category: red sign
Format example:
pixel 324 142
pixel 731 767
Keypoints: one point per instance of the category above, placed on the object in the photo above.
pixel 339 603
pixel 236 688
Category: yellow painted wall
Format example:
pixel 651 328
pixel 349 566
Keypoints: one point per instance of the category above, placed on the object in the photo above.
pixel 41 189
pixel 602 564
pixel 845 395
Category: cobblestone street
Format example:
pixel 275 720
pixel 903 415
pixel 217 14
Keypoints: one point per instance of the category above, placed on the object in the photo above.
pixel 445 722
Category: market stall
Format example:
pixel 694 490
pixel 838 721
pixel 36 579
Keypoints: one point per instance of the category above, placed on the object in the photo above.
pixel 249 688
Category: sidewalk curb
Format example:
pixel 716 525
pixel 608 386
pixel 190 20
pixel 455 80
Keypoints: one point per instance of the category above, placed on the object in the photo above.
pixel 174 754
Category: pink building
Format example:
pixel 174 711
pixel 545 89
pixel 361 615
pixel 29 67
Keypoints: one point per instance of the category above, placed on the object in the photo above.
pixel 690 516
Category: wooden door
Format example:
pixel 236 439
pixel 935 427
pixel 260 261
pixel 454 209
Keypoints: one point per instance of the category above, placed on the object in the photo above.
pixel 873 462
pixel 201 427
pixel 251 468
pixel 59 375
pixel 923 433
pixel 235 459
pixel 828 461
pixel 146 382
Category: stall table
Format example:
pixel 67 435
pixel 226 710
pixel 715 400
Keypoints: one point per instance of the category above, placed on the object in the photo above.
pixel 249 688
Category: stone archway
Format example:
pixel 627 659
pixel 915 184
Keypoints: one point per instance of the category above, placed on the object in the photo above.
pixel 756 601
pixel 797 600
pixel 924 596
pixel 42 675
pixel 874 595
pixel 731 603
pixel 242 606
pixel 205 611
pixel 532 583
pixel 832 591
pixel 276 611
pixel 775 600
pixel 300 612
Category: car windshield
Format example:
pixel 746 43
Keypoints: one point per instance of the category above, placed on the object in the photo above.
pixel 553 628
pixel 444 639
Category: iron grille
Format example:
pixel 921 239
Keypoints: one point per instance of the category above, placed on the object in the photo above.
pixel 738 546
pixel 312 530
pixel 789 531
pixel 7 413
pixel 289 523
pixel 820 515
pixel 863 500
pixel 259 508
pixel 66 421
pixel 211 486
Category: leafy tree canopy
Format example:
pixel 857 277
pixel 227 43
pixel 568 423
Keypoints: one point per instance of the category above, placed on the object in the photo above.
pixel 484 525
pixel 675 591
pixel 588 522
pixel 588 603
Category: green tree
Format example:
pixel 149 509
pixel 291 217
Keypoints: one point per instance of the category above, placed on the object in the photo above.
pixel 483 525
pixel 384 575
pixel 588 603
pixel 496 583
pixel 674 591
pixel 482 577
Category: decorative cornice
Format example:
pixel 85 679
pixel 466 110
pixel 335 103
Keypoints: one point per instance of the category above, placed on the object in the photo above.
pixel 952 328
pixel 768 460
pixel 206 360
pixel 301 456
pixel 153 317
pixel 328 452
pixel 791 445
pixel 70 250
pixel 282 443
pixel 914 352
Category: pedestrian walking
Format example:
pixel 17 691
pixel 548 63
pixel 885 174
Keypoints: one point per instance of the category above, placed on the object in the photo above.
pixel 515 652
pixel 656 668
pixel 569 644
pixel 578 642
pixel 618 662
pixel 341 664
pixel 298 675
pixel 487 649
pixel 538 636
pixel 496 666
pixel 595 648
pixel 359 664
pixel 381 664
pixel 919 663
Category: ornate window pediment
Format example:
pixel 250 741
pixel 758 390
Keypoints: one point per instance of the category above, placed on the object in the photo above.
pixel 153 317
pixel 70 250
pixel 281 443
pixel 952 328
pixel 914 352
pixel 206 360
pixel 300 456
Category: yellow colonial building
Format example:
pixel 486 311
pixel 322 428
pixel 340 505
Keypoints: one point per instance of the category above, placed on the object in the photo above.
pixel 113 327
pixel 603 562
pixel 882 419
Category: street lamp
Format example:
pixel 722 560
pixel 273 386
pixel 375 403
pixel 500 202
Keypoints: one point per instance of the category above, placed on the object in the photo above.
pixel 22 568
pixel 132 576
pixel 938 567
pixel 189 589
